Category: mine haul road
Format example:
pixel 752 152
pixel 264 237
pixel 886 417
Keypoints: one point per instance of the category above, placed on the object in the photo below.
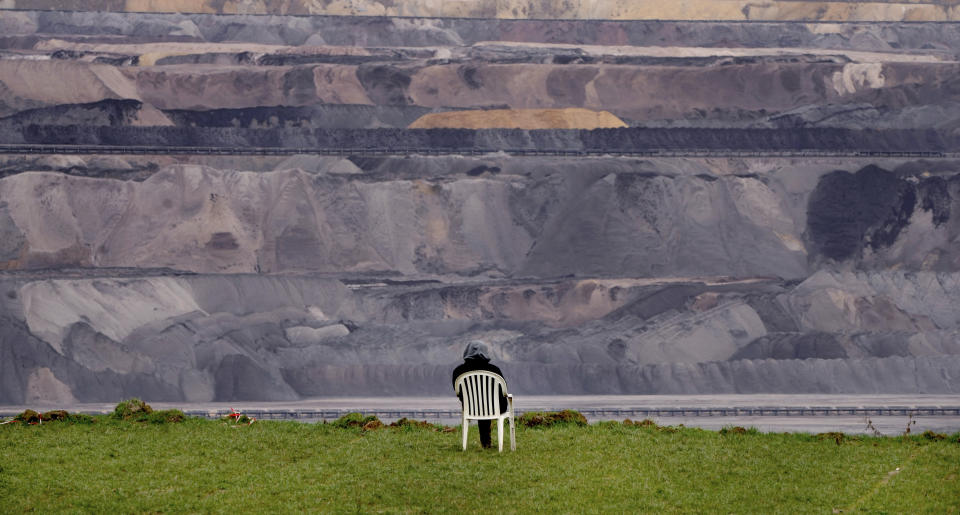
pixel 283 151
pixel 890 414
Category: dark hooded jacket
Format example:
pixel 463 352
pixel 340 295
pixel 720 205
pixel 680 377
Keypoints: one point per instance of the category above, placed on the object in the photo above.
pixel 475 358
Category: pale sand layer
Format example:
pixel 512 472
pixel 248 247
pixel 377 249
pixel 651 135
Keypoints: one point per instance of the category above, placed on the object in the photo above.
pixel 571 118
pixel 150 53
pixel 701 52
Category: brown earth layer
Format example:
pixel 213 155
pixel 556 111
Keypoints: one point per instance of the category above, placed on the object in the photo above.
pixel 737 92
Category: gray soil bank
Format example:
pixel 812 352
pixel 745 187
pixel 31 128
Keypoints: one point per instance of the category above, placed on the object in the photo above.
pixel 492 140
pixel 223 338
pixel 483 217
pixel 398 32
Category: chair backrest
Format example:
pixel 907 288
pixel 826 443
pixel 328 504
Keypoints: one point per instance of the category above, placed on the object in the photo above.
pixel 481 393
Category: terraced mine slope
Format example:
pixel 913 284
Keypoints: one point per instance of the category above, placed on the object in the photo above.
pixel 227 201
pixel 732 10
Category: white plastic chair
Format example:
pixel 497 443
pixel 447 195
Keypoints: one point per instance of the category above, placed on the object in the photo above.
pixel 481 401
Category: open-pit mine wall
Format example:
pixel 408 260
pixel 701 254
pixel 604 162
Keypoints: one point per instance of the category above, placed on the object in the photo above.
pixel 793 227
pixel 331 276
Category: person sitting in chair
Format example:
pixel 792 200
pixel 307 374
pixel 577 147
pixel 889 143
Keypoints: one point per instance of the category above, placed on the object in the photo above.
pixel 476 357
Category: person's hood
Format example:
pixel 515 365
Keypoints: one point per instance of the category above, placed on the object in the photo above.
pixel 476 350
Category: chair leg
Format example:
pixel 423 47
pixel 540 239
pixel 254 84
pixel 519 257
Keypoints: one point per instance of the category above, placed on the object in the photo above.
pixel 464 431
pixel 513 428
pixel 500 433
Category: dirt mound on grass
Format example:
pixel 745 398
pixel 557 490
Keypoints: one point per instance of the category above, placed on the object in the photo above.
pixel 131 408
pixel 34 418
pixel 354 420
pixel 372 423
pixel 135 410
pixel 649 424
pixel 552 418
pixel 570 118
pixel 28 417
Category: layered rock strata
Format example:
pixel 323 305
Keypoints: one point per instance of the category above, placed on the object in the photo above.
pixel 672 269
pixel 785 219
pixel 326 72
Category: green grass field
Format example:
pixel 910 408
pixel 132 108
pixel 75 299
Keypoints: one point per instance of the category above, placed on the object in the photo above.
pixel 204 465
